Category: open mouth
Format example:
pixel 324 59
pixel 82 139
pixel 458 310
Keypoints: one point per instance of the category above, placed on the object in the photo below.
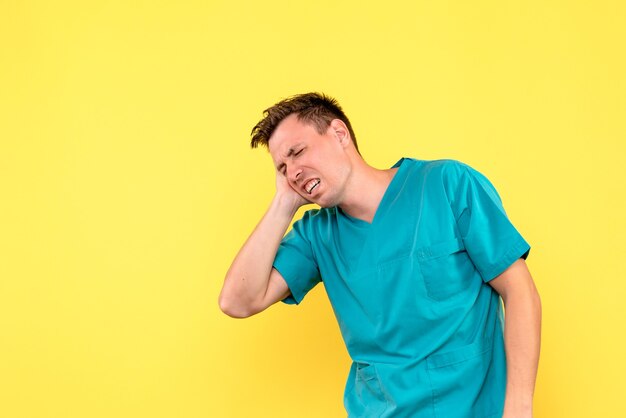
pixel 311 185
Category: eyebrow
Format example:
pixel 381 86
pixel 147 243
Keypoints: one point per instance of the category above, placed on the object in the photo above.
pixel 289 154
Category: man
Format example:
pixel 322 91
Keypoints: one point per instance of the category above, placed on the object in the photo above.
pixel 414 260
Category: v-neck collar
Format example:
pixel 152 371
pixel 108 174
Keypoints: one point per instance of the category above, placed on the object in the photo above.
pixel 390 192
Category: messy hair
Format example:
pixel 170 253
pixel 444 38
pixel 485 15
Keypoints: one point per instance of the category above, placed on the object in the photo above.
pixel 316 109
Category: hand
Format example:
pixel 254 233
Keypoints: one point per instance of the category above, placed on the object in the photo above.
pixel 287 195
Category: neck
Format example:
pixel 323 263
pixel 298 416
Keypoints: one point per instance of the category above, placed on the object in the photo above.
pixel 366 188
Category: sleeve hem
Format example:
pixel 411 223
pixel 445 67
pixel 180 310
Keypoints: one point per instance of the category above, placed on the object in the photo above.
pixel 520 250
pixel 295 298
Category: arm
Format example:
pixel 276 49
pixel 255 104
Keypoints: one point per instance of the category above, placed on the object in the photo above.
pixel 252 284
pixel 522 335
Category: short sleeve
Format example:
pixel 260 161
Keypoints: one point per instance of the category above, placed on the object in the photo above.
pixel 295 261
pixel 490 239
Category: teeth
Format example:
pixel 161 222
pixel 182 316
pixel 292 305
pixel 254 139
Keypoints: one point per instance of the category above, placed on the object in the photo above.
pixel 311 185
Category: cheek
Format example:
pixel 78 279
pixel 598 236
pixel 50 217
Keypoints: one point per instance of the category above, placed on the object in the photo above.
pixel 342 172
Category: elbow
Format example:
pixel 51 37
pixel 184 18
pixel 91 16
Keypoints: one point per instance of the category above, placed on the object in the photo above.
pixel 233 308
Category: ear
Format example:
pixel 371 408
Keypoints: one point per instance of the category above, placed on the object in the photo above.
pixel 340 131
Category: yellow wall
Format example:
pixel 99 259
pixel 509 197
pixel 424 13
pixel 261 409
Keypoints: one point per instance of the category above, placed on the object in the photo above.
pixel 127 186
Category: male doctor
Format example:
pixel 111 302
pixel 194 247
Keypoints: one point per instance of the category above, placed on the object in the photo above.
pixel 415 260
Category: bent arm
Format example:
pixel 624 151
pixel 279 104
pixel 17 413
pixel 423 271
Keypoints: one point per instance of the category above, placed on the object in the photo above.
pixel 522 335
pixel 252 284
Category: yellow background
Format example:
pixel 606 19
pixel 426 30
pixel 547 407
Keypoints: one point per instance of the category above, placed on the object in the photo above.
pixel 127 187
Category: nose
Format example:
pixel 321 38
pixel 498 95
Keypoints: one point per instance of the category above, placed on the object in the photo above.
pixel 293 174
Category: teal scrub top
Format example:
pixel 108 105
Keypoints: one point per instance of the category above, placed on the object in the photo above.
pixel 410 292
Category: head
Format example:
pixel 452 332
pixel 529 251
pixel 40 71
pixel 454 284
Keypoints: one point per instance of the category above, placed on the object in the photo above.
pixel 315 109
pixel 311 144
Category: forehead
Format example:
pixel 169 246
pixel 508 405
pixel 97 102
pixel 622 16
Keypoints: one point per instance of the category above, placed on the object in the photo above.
pixel 289 132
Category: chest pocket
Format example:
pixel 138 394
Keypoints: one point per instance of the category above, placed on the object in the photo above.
pixel 446 269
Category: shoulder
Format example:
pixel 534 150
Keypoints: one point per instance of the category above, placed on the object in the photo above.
pixel 447 178
pixel 446 170
pixel 448 166
pixel 319 215
pixel 313 220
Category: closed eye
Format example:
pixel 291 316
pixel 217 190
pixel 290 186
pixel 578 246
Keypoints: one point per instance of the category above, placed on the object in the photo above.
pixel 282 168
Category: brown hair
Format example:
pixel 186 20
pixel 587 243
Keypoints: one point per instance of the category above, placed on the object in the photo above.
pixel 316 109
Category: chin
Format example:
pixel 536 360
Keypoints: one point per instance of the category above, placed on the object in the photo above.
pixel 325 203
pixel 325 199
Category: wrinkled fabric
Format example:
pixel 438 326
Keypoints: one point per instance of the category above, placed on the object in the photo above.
pixel 410 291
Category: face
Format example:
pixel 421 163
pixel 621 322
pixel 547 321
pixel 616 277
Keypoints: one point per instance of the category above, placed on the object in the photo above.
pixel 316 166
